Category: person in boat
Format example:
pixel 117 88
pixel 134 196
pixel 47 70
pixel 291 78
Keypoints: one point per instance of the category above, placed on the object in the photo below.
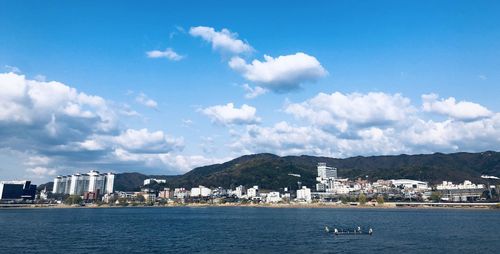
pixel 370 231
pixel 336 231
pixel 327 229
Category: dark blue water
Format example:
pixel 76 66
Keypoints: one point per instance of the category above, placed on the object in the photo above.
pixel 246 230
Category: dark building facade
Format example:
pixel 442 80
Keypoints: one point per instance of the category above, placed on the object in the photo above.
pixel 17 190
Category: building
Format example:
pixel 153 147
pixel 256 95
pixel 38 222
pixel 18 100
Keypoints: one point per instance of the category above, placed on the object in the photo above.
pixel 165 193
pixel 253 192
pixel 239 191
pixel 326 177
pixel 200 191
pixel 17 190
pixel 273 197
pixel 154 180
pixel 181 193
pixel 304 194
pixel 463 192
pixel 410 184
pixel 78 184
pixel 326 172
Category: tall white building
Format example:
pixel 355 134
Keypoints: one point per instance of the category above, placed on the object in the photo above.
pixel 77 184
pixel 325 172
pixel 326 177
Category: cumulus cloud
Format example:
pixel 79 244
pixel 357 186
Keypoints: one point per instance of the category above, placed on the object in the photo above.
pixel 167 53
pixel 253 92
pixel 343 125
pixel 462 110
pixel 223 40
pixel 229 115
pixel 342 112
pixel 58 128
pixel 148 142
pixel 146 101
pixel 282 73
pixel 42 171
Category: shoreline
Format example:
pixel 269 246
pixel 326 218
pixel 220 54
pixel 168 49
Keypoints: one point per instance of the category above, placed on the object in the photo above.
pixel 388 205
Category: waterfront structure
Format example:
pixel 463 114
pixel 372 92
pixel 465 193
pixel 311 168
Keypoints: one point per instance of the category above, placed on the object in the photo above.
pixel 154 180
pixel 17 190
pixel 304 194
pixel 78 184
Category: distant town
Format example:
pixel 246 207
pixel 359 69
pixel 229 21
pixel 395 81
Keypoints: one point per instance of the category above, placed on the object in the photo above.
pixel 97 189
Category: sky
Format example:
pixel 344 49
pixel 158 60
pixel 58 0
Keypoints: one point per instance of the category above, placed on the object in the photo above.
pixel 161 87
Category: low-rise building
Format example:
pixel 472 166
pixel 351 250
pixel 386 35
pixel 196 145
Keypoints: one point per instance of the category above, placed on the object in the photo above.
pixel 154 180
pixel 304 194
pixel 200 191
pixel 253 192
pixel 17 190
pixel 273 197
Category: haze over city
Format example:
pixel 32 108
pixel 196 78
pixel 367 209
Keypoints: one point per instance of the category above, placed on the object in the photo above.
pixel 163 87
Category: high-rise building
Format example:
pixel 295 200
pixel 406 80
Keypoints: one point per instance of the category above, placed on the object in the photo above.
pixel 78 184
pixel 17 190
pixel 326 172
pixel 326 177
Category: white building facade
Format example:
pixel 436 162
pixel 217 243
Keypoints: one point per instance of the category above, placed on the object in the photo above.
pixel 304 194
pixel 78 184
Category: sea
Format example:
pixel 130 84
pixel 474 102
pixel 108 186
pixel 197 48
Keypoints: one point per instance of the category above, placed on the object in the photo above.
pixel 247 230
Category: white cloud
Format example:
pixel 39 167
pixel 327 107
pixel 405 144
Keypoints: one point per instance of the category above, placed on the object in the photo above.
pixel 45 120
pixel 229 115
pixel 341 112
pixel 146 101
pixel 282 73
pixel 253 92
pixel 42 171
pixel 343 125
pixel 144 141
pixel 168 54
pixel 462 110
pixel 37 160
pixel 223 40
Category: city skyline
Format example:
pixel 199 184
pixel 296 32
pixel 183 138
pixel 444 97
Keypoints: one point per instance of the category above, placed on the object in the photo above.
pixel 163 88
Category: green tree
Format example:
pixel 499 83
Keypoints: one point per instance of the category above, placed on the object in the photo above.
pixel 140 198
pixel 73 199
pixel 362 199
pixel 435 196
pixel 344 200
pixel 380 199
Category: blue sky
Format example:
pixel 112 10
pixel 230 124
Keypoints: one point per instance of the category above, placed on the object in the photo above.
pixel 354 78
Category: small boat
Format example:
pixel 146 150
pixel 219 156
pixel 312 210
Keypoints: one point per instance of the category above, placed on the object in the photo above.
pixel 356 231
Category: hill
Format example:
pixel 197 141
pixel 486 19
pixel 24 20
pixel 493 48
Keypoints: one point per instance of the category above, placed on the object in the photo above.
pixel 270 171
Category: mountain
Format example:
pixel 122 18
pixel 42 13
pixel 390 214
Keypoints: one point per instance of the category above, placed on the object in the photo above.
pixel 270 171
